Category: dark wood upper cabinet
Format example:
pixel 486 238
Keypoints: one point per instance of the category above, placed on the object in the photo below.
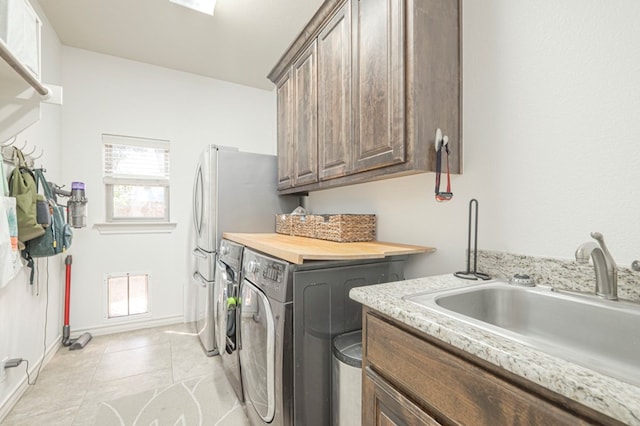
pixel 378 89
pixel 305 123
pixel 334 96
pixel 285 123
pixel 386 75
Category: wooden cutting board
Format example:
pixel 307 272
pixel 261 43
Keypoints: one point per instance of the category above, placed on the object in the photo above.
pixel 298 249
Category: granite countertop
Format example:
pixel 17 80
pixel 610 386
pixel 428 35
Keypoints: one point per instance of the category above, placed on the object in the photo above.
pixel 602 393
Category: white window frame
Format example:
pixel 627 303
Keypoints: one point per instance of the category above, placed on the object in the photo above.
pixel 113 179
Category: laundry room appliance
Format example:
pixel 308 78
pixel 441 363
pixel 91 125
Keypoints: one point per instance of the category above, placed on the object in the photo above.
pixel 289 315
pixel 225 180
pixel 227 279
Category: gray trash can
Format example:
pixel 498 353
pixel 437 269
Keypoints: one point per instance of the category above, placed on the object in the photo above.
pixel 347 378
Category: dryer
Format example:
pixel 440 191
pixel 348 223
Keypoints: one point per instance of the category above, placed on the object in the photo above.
pixel 227 281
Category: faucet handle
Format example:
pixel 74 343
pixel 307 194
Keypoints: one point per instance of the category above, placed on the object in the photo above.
pixel 583 252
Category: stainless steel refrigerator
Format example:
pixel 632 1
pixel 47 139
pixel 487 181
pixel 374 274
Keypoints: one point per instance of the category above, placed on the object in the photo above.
pixel 233 191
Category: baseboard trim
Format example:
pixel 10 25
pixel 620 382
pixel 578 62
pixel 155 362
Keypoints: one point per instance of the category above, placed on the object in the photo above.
pixel 101 330
pixel 14 396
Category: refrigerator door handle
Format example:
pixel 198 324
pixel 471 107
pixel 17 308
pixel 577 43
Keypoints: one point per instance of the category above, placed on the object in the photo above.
pixel 198 277
pixel 198 205
pixel 199 253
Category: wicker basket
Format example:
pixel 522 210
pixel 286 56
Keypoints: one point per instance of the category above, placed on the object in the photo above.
pixel 284 224
pixel 304 225
pixel 343 228
pixel 346 227
pixel 297 224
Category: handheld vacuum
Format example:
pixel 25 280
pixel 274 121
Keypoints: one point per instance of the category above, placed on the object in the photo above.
pixel 76 204
pixel 84 338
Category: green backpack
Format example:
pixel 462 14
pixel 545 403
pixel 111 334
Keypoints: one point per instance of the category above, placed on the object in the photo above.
pixel 58 235
pixel 22 186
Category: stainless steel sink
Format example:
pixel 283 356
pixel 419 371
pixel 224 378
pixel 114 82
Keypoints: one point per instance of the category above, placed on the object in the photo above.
pixel 596 333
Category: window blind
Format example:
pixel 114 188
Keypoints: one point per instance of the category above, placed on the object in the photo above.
pixel 135 160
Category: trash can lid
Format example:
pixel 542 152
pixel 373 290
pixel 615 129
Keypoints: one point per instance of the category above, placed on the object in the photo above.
pixel 347 348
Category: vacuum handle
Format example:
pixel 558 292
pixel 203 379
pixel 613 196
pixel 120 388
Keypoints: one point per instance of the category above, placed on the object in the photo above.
pixel 67 289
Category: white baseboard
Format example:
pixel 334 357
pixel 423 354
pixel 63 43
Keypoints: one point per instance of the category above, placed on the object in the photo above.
pixel 12 398
pixel 101 330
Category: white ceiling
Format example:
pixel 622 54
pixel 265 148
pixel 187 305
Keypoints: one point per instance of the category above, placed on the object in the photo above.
pixel 241 43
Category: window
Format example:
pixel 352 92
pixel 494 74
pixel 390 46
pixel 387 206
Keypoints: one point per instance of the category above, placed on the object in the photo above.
pixel 127 294
pixel 136 178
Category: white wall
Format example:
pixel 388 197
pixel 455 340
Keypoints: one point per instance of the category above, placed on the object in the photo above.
pixel 22 306
pixel 551 130
pixel 104 94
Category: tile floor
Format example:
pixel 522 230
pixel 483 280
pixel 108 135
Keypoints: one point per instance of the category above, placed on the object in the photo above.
pixel 75 385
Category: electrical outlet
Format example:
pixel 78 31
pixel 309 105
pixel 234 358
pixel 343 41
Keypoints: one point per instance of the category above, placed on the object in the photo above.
pixel 3 373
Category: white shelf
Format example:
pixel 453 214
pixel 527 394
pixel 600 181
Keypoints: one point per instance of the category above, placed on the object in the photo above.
pixel 20 106
pixel 12 69
pixel 21 89
pixel 21 95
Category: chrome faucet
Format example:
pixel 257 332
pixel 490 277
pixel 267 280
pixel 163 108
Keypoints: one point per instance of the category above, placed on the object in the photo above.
pixel 605 266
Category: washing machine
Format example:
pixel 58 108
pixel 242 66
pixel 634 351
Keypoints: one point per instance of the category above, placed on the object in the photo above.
pixel 265 339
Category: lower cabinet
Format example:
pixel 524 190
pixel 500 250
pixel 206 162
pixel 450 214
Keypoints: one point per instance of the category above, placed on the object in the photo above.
pixel 385 405
pixel 410 379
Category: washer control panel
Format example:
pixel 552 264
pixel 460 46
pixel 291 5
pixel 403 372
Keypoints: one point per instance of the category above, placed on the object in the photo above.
pixel 230 253
pixel 268 274
pixel 273 272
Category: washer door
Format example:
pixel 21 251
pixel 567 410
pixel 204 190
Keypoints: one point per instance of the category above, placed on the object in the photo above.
pixel 226 308
pixel 257 353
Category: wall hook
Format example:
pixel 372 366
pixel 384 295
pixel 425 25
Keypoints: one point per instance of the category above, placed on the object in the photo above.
pixel 7 156
pixel 41 153
pixel 32 151
pixel 439 139
pixel 23 146
pixel 10 143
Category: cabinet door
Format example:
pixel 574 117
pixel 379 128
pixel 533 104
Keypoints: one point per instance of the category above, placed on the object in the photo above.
pixel 379 81
pixel 305 135
pixel 334 96
pixel 284 93
pixel 452 388
pixel 382 404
